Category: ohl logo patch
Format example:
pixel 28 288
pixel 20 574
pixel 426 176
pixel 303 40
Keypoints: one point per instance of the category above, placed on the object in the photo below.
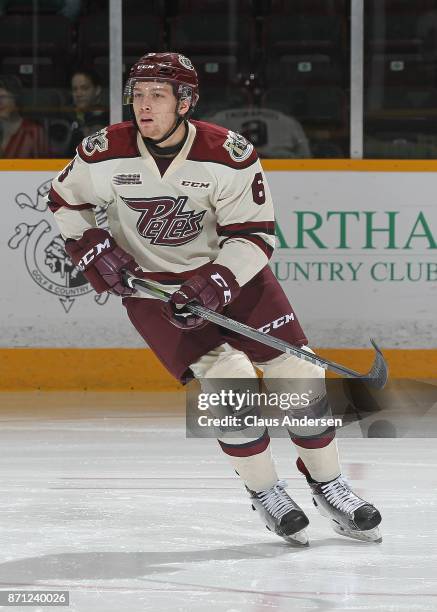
pixel 96 142
pixel 164 221
pixel 44 256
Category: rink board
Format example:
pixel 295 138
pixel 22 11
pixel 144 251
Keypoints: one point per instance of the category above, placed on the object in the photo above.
pixel 139 369
pixel 356 254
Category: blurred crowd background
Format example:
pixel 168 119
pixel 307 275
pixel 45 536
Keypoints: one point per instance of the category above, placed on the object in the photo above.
pixel 277 71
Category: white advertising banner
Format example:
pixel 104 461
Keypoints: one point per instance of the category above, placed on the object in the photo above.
pixel 45 302
pixel 356 254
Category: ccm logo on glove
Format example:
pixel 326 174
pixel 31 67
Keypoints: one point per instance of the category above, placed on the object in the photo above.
pixel 227 294
pixel 102 261
pixel 92 254
pixel 213 286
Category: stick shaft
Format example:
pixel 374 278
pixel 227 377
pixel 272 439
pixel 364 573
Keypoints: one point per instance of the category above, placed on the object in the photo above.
pixel 150 289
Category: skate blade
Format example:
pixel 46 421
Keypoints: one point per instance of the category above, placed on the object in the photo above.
pixel 299 539
pixel 371 535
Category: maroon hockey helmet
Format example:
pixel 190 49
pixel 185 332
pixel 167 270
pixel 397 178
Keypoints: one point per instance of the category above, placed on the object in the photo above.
pixel 172 68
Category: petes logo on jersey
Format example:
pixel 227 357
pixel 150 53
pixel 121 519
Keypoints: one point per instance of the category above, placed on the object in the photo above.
pixel 164 221
pixel 237 146
pixel 96 142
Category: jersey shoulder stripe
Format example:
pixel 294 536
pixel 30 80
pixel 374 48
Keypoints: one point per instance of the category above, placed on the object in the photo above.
pixel 216 144
pixel 113 142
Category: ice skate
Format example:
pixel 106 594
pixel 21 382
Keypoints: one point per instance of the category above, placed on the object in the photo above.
pixel 350 515
pixel 281 514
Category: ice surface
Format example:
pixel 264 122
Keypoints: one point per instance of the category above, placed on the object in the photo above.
pixel 104 496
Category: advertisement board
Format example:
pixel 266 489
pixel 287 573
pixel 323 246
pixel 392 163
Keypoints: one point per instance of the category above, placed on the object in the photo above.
pixel 356 254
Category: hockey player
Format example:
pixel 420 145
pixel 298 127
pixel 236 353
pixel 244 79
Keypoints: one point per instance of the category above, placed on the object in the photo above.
pixel 188 206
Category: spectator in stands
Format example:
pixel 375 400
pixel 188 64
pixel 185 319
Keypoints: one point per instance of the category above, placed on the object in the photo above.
pixel 89 113
pixel 273 133
pixel 19 136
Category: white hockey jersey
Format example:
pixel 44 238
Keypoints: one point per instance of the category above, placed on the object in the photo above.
pixel 273 133
pixel 212 203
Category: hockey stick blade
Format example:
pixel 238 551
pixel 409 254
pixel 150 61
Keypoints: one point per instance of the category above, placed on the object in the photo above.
pixel 376 377
pixel 378 374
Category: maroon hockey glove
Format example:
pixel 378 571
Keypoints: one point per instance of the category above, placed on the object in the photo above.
pixel 214 286
pixel 101 260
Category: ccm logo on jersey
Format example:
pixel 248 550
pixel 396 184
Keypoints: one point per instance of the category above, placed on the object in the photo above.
pixel 237 146
pixel 85 261
pixel 195 184
pixel 220 281
pixel 277 323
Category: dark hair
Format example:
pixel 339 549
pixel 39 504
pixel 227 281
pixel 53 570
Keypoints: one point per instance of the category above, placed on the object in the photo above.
pixel 93 76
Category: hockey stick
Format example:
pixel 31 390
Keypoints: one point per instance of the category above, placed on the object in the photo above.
pixel 376 377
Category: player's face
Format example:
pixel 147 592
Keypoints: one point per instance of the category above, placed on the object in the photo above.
pixel 7 104
pixel 154 106
pixel 85 93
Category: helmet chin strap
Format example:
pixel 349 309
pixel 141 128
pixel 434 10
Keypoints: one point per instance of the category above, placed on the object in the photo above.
pixel 153 144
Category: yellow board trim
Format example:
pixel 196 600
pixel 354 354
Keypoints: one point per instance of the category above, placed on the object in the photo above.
pixel 350 165
pixel 51 369
pixel 270 165
pixel 32 165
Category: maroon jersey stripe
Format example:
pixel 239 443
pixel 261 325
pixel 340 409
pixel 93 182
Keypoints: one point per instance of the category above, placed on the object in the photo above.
pixel 267 227
pixel 56 202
